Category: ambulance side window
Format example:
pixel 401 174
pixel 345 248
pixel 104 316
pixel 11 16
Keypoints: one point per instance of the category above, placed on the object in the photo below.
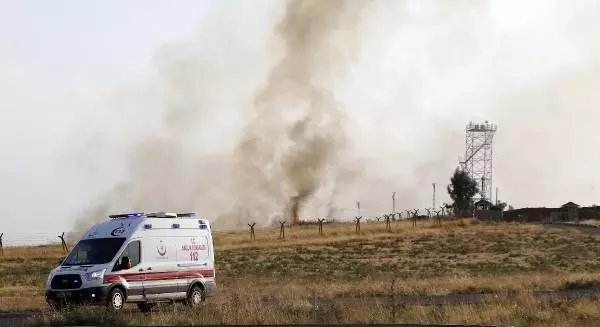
pixel 133 253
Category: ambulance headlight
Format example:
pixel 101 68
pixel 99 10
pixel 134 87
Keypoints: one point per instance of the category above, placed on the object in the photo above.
pixel 94 275
pixel 50 275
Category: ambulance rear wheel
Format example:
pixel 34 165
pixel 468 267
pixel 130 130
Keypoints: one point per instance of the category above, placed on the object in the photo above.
pixel 195 296
pixel 115 300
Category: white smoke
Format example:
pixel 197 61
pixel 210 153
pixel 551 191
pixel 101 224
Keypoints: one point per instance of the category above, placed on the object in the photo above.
pixel 420 72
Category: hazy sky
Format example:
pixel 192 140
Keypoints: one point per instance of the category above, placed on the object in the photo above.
pixel 83 83
pixel 59 59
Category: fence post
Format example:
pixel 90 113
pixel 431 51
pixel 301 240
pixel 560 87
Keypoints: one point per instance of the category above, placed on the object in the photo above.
pixel 357 219
pixel 252 236
pixel 1 245
pixel 321 225
pixel 428 212
pixel 415 214
pixel 64 244
pixel 439 218
pixel 282 230
pixel 388 226
pixel 385 219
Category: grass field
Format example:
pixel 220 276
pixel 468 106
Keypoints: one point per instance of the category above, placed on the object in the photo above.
pixel 461 256
pixel 521 311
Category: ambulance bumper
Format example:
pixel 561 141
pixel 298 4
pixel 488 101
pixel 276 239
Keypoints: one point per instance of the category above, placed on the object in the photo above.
pixel 92 295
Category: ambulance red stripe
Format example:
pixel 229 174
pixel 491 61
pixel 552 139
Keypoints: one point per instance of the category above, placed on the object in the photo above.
pixel 153 276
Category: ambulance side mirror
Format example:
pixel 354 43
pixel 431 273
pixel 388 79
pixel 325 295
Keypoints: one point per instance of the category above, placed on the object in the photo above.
pixel 117 265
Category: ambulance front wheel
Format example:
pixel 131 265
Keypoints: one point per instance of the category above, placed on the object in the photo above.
pixel 115 300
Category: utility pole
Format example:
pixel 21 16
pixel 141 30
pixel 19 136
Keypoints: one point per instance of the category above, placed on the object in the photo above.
pixel 482 190
pixel 496 195
pixel 433 184
pixel 393 202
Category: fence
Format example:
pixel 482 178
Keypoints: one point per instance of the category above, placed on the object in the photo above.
pixel 384 219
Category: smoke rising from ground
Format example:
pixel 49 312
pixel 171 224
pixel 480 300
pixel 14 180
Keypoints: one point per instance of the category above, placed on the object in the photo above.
pixel 353 100
pixel 297 132
pixel 287 149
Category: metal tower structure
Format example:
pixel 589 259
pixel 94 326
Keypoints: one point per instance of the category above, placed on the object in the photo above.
pixel 478 161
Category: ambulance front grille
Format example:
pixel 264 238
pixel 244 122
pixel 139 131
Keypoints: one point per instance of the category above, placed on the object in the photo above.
pixel 65 282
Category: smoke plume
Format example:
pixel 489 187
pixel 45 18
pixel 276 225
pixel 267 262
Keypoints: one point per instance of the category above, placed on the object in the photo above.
pixel 354 100
pixel 288 149
pixel 298 129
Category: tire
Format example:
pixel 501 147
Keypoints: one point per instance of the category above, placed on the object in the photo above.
pixel 195 296
pixel 115 300
pixel 145 307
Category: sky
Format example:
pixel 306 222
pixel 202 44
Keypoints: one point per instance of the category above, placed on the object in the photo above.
pixel 59 60
pixel 157 96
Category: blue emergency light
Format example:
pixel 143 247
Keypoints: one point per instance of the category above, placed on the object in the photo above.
pixel 186 215
pixel 126 215
pixel 202 224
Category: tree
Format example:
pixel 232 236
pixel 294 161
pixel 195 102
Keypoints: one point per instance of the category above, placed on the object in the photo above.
pixel 500 206
pixel 462 189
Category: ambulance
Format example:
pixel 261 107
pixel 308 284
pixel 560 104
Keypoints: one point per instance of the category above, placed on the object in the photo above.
pixel 137 258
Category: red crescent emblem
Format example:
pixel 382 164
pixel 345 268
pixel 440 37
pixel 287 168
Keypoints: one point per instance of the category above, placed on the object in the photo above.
pixel 162 249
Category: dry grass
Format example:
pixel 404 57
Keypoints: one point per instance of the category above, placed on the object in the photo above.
pixel 425 252
pixel 243 308
pixel 279 289
pixel 307 235
pixel 462 256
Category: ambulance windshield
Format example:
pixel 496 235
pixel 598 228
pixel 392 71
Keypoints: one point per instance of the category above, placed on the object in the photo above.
pixel 94 251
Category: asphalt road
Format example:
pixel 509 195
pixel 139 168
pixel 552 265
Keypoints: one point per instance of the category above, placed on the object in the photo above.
pixel 590 229
pixel 15 318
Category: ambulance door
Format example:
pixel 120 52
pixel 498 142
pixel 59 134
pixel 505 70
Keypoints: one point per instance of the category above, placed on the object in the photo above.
pixel 192 259
pixel 160 280
pixel 132 273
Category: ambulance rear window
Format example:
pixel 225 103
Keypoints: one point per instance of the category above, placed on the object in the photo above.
pixel 94 251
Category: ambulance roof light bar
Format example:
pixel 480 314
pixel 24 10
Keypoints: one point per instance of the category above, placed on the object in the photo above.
pixel 162 215
pixel 155 215
pixel 126 215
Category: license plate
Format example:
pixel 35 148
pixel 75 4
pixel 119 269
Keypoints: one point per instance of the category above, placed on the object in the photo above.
pixel 63 294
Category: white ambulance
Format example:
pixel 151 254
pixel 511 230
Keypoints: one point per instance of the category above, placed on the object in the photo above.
pixel 138 258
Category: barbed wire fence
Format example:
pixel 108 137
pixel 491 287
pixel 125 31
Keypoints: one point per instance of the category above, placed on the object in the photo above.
pixel 386 219
pixel 10 239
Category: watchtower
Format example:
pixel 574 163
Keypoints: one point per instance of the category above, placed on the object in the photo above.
pixel 478 162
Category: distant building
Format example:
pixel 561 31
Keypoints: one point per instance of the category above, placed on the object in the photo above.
pixel 482 204
pixel 569 211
